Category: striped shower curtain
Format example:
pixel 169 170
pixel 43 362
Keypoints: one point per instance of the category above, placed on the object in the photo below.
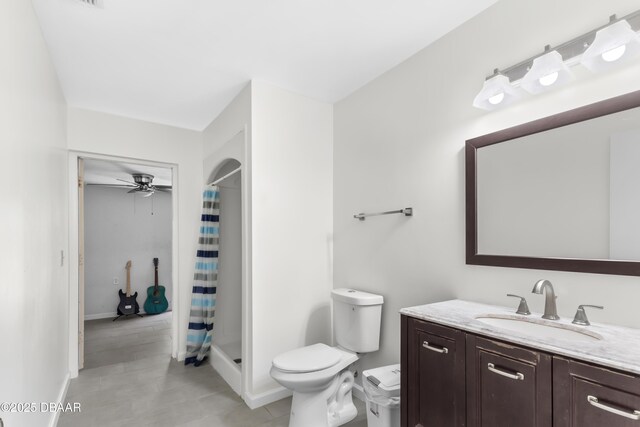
pixel 205 280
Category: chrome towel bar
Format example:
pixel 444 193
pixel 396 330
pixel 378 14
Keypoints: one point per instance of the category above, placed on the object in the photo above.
pixel 405 211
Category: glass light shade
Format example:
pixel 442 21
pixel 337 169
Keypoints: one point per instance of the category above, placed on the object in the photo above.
pixel 496 92
pixel 613 45
pixel 547 72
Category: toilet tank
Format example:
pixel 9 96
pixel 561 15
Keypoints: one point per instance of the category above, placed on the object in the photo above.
pixel 356 320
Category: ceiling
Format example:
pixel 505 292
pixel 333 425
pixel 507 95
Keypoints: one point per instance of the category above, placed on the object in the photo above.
pixel 180 62
pixel 107 172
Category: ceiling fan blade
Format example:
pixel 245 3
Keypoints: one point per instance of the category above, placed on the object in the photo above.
pixel 164 190
pixel 150 193
pixel 112 185
pixel 135 190
pixel 128 182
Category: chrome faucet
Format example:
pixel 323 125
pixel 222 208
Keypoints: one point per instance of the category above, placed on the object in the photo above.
pixel 550 310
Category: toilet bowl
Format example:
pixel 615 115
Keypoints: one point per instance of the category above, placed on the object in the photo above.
pixel 321 383
pixel 319 375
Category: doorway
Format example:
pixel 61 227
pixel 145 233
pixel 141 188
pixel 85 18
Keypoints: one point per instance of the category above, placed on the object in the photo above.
pixel 126 237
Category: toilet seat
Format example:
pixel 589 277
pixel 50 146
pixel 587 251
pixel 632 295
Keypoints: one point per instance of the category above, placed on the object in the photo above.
pixel 311 358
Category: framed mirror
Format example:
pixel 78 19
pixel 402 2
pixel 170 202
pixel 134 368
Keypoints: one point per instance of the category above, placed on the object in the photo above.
pixel 559 193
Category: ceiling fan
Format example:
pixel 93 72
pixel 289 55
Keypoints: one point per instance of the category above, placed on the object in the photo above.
pixel 143 183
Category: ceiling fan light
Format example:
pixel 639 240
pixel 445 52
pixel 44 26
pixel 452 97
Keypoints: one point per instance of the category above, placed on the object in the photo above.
pixel 496 92
pixel 547 72
pixel 613 45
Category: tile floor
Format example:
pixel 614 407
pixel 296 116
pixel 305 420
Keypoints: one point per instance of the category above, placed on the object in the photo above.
pixel 130 380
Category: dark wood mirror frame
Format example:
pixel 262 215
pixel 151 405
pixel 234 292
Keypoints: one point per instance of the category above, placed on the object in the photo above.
pixel 603 108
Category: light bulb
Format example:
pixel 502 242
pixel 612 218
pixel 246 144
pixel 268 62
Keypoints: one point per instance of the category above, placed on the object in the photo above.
pixel 615 53
pixel 549 79
pixel 496 99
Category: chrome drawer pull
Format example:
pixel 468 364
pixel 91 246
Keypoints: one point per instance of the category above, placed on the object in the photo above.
pixel 516 376
pixel 443 350
pixel 632 416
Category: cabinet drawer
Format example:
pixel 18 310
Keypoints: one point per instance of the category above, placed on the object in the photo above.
pixel 589 396
pixel 507 386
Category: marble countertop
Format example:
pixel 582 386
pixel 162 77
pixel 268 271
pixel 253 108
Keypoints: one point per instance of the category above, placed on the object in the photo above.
pixel 618 348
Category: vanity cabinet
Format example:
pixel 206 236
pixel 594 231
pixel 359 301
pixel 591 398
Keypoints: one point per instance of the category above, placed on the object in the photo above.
pixel 589 396
pixel 507 385
pixel 436 382
pixel 453 378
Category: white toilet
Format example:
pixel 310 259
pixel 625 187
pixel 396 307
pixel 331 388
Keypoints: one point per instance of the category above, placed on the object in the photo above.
pixel 318 374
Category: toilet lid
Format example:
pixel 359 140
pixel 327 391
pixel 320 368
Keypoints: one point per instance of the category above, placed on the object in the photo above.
pixel 307 359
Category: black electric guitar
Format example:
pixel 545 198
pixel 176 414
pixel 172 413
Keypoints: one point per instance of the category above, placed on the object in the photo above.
pixel 128 304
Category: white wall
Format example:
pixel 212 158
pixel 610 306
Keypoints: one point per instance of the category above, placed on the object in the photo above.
pixel 399 141
pixel 292 226
pixel 121 227
pixel 93 132
pixel 33 219
pixel 217 137
pixel 287 199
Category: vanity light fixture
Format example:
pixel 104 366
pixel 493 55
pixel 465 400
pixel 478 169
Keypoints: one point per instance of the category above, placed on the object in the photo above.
pixel 602 48
pixel 613 45
pixel 547 72
pixel 496 92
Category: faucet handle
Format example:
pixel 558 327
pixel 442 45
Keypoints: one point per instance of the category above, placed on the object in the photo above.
pixel 523 308
pixel 581 316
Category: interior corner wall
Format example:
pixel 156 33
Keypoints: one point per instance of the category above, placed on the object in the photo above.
pixel 292 225
pixel 33 220
pixel 235 118
pixel 106 134
pixel 399 142
pixel 121 227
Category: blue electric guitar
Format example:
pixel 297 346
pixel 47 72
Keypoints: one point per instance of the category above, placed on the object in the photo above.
pixel 156 302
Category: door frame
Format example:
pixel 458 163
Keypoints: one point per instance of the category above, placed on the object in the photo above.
pixel 74 235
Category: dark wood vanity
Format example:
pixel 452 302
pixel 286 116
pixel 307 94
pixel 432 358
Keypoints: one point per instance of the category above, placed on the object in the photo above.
pixel 454 378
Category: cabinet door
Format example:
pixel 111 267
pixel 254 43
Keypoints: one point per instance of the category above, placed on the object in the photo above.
pixel 589 396
pixel 507 386
pixel 433 375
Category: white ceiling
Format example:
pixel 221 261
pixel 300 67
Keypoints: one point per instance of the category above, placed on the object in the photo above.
pixel 107 172
pixel 180 62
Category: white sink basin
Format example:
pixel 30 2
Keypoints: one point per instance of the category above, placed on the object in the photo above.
pixel 540 328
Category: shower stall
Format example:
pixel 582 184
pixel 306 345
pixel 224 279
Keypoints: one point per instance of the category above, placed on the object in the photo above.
pixel 226 348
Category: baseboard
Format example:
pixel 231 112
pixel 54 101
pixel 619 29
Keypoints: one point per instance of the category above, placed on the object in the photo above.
pixel 109 315
pixel 358 392
pixel 254 401
pixel 100 316
pixel 61 398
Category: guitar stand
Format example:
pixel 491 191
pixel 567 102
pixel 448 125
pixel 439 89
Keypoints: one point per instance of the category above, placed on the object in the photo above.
pixel 126 316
